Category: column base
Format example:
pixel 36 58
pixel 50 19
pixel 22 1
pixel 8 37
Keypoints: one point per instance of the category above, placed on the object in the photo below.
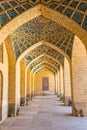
pixel 22 101
pixel 0 113
pixel 67 101
pixel 62 97
pixel 79 108
pixel 11 109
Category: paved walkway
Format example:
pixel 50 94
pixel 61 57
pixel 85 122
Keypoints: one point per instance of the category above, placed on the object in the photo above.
pixel 45 113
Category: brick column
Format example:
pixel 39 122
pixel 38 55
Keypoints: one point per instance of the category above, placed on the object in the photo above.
pixel 28 82
pixel 55 85
pixel 22 81
pixel 61 81
pixel 58 84
pixel 35 84
pixel 67 82
pixel 11 74
pixel 1 90
pixel 32 85
pixel 79 76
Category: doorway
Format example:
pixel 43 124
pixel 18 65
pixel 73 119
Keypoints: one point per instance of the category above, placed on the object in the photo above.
pixel 45 83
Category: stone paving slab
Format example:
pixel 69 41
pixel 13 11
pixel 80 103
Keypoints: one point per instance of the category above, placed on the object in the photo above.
pixel 45 113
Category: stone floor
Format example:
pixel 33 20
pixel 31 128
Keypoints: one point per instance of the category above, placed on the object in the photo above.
pixel 45 113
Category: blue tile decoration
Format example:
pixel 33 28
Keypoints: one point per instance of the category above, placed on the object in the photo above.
pixel 74 4
pixel 59 5
pixel 82 6
pixel 68 52
pixel 12 13
pixel 43 59
pixel 20 9
pixel 43 49
pixel 27 6
pixel 85 23
pixel 60 8
pixel 1 9
pixel 68 12
pixel 6 5
pixel 39 29
pixel 66 2
pixel 77 17
pixel 3 19
pixel 53 6
pixel 13 3
pixel 42 28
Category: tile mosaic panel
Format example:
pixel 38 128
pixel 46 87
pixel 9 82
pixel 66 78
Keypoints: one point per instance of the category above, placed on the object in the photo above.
pixel 71 7
pixel 39 29
pixel 44 58
pixel 78 17
pixel 43 49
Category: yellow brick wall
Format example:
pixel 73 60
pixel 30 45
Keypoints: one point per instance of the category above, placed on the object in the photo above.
pixel 79 75
pixel 67 81
pixel 1 53
pixel 61 80
pixel 5 84
pixel 79 71
pixel 28 81
pixel 1 87
pixel 11 72
pixel 22 79
pixel 58 84
pixel 44 73
pixel 32 85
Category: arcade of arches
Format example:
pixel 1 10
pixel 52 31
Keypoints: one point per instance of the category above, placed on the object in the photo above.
pixel 43 46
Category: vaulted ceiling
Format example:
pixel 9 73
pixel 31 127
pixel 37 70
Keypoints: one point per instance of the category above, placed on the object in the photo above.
pixel 43 49
pixel 41 28
pixel 45 65
pixel 73 9
pixel 44 58
pixel 36 30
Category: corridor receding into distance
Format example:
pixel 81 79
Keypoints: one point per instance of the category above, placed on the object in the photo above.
pixel 45 113
pixel 43 64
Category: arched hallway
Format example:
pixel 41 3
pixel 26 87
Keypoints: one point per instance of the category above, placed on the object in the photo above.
pixel 45 113
pixel 43 48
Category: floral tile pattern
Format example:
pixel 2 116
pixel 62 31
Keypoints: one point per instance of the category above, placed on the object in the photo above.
pixel 43 49
pixel 71 8
pixel 39 29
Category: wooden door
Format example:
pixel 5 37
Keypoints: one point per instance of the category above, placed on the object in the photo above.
pixel 45 83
